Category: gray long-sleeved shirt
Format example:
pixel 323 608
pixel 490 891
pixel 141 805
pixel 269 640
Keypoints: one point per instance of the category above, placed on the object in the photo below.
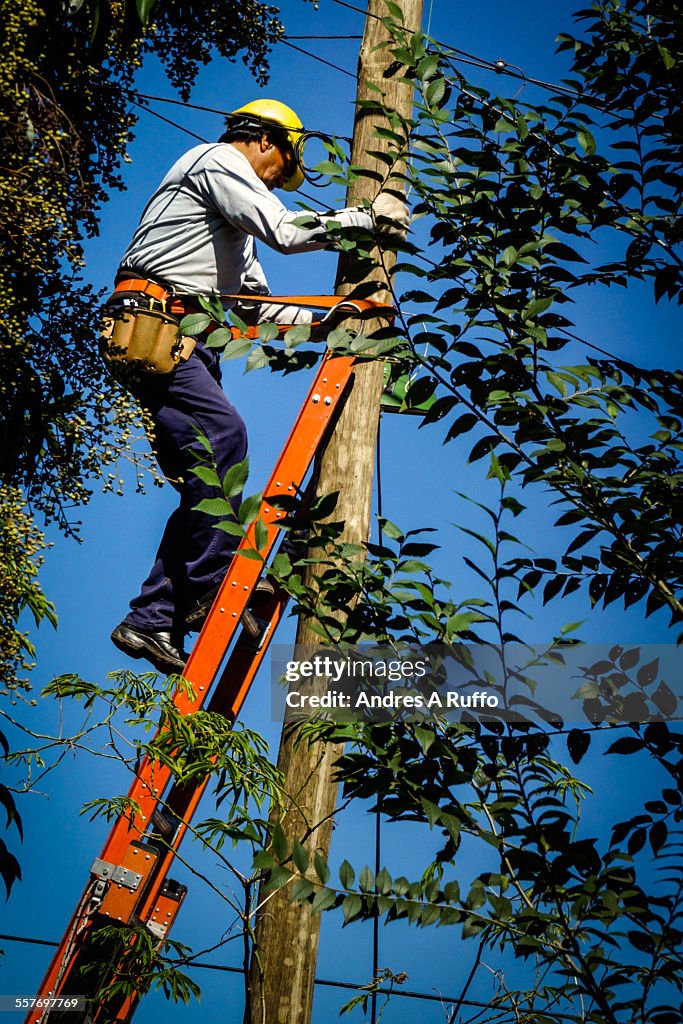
pixel 199 230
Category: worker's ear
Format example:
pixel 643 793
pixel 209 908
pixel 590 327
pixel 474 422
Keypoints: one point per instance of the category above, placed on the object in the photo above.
pixel 265 144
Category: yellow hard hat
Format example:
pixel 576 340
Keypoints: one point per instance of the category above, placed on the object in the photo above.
pixel 272 112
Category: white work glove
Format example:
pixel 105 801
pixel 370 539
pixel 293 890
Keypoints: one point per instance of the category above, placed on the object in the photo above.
pixel 275 312
pixel 391 217
pixel 280 314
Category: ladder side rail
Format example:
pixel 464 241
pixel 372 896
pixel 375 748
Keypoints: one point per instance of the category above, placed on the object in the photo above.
pixel 233 687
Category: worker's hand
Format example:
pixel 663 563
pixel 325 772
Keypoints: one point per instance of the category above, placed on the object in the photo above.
pixel 391 217
pixel 254 313
pixel 280 314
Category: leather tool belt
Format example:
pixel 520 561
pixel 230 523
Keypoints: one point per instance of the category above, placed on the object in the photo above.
pixel 141 320
pixel 140 327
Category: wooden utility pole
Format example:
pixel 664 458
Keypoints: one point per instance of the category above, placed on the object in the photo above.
pixel 283 970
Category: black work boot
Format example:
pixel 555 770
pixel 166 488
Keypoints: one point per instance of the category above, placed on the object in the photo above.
pixel 156 647
pixel 198 613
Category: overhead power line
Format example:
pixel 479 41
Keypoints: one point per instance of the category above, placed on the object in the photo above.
pixel 320 60
pixel 22 938
pixel 501 67
pixel 178 103
pixel 325 982
pixel 166 120
pixel 320 37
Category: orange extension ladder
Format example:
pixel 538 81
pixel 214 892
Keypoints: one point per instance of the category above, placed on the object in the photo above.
pixel 129 882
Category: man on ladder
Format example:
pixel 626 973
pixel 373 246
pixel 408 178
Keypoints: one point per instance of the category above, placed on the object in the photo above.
pixel 197 237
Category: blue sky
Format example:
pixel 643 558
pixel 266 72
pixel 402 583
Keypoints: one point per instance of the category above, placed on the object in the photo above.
pixel 91 582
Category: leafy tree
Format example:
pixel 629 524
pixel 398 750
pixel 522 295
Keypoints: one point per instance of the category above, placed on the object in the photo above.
pixel 65 90
pixel 521 202
pixel 65 87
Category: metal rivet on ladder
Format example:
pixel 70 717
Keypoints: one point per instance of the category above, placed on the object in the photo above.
pixel 328 400
pixel 316 398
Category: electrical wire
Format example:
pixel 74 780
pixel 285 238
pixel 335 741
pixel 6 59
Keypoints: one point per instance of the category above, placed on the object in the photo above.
pixel 498 66
pixel 378 817
pixel 321 37
pixel 178 103
pixel 326 983
pixel 321 60
pixel 166 120
pixel 22 938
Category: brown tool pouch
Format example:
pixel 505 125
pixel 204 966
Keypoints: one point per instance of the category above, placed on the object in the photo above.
pixel 145 339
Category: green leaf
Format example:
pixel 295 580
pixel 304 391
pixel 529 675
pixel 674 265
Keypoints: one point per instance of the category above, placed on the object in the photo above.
pixel 346 874
pixel 279 843
pixel 435 92
pixel 195 323
pixel 324 899
pixel 214 507
pixel 339 338
pixel 510 255
pixel 427 66
pixel 230 527
pixel 248 553
pixel 237 321
pixel 257 359
pixel 667 57
pixel 391 530
pixel 249 509
pixel 394 10
pixel 366 880
pixel 578 742
pixel 535 307
pixel 658 836
pixel 278 877
pixel 586 141
pixel 300 856
pixel 351 906
pixel 322 869
pixel 268 332
pixel 218 338
pixel 472 926
pixel 208 475
pixel 235 479
pixel 297 335
pixel 648 673
pixel 260 535
pixel 237 348
pixel 301 890
pixel 461 621
pixel 143 8
pixel 263 860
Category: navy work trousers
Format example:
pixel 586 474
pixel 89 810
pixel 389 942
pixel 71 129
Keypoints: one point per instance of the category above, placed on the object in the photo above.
pixel 193 556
